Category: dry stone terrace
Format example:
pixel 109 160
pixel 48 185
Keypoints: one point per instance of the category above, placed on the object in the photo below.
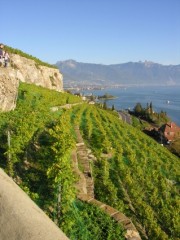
pixel 82 158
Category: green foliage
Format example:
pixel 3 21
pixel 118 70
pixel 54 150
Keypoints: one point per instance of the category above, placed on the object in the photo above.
pixel 149 114
pixel 105 105
pixel 139 124
pixel 94 130
pixel 60 169
pixel 89 222
pixel 175 147
pixel 140 179
pixel 113 108
pixel 33 112
pixel 105 188
pixel 132 172
pixel 138 109
pixel 40 160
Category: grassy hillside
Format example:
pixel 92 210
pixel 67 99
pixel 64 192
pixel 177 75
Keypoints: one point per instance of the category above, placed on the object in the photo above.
pixel 132 172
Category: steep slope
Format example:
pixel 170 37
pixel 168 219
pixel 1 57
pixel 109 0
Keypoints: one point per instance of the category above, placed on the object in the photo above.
pixel 45 171
pixel 85 157
pixel 131 172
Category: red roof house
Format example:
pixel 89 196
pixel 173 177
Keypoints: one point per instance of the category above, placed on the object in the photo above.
pixel 170 131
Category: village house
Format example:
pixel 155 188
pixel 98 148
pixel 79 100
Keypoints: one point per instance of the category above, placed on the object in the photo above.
pixel 169 131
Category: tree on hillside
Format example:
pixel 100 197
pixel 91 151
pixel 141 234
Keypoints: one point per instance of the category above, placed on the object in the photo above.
pixel 138 109
pixel 151 108
pixel 105 105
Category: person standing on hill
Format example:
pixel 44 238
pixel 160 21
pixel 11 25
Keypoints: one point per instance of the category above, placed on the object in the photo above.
pixel 6 58
pixel 1 53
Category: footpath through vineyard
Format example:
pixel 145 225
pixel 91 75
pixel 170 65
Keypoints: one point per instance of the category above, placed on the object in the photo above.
pixel 82 158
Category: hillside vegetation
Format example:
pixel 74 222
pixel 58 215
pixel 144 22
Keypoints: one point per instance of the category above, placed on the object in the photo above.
pixel 132 172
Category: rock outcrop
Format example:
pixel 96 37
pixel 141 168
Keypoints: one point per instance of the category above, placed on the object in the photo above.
pixel 21 218
pixel 8 89
pixel 25 70
pixel 29 71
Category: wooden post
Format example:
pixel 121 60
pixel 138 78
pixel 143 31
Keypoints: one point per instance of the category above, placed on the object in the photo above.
pixel 9 154
pixel 59 202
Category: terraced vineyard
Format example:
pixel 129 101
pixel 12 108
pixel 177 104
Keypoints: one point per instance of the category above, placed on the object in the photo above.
pixel 132 173
pixel 36 142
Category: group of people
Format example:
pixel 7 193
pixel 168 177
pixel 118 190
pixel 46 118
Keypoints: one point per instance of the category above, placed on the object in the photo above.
pixel 4 56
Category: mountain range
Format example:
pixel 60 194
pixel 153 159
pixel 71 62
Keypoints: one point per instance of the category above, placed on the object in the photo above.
pixel 78 74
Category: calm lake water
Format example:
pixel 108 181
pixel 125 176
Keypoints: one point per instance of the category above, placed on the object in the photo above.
pixel 162 98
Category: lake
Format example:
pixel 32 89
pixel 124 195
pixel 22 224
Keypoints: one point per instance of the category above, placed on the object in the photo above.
pixel 163 98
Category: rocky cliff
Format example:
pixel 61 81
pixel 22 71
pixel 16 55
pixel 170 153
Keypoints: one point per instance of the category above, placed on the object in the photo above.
pixel 8 89
pixel 25 70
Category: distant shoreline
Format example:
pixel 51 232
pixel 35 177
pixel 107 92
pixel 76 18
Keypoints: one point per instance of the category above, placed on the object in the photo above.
pixel 89 88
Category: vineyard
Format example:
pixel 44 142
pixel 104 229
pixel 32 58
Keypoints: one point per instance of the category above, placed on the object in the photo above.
pixel 132 173
pixel 141 177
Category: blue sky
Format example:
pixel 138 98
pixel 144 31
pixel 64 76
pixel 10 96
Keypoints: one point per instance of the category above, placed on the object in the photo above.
pixel 94 31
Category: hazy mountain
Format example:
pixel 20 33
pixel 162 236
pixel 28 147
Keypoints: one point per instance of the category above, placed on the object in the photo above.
pixel 131 73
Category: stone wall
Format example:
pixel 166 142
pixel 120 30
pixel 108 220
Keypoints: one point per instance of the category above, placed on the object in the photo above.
pixel 21 218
